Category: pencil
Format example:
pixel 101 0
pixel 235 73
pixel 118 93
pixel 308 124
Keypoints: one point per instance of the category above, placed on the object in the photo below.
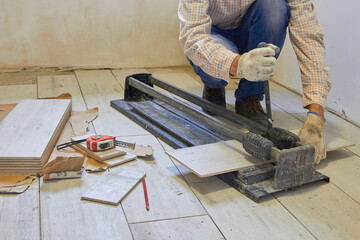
pixel 146 195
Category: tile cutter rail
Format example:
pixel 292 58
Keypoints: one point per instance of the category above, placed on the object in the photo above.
pixel 182 124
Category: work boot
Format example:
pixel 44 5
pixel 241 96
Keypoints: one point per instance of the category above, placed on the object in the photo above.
pixel 251 108
pixel 214 95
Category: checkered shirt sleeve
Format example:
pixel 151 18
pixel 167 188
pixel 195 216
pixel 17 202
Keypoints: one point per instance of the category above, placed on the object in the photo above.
pixel 198 45
pixel 307 39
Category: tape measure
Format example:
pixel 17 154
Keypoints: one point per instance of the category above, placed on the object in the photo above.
pixel 100 142
pixel 97 143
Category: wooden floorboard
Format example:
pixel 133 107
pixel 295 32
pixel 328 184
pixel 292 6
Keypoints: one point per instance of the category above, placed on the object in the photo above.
pixel 19 218
pixel 182 205
pixel 99 87
pixel 343 167
pixel 325 210
pixel 236 215
pixel 54 85
pixel 65 216
pixel 15 93
pixel 169 197
pixel 199 227
pixel 61 207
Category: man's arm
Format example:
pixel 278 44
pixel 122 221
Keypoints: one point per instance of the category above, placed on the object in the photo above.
pixel 202 49
pixel 307 39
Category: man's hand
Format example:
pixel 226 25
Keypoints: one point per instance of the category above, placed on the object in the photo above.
pixel 258 64
pixel 312 133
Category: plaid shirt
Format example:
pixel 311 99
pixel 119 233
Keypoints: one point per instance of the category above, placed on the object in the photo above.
pixel 306 36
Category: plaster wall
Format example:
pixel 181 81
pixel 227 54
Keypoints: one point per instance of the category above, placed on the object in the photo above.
pixel 342 35
pixel 108 33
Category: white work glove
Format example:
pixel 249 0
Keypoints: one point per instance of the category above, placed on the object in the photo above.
pixel 258 64
pixel 312 133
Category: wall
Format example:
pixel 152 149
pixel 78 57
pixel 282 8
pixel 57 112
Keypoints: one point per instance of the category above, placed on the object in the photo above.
pixel 138 33
pixel 342 37
pixel 109 33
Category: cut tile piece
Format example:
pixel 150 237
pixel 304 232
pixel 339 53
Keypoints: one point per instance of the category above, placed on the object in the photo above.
pixel 215 158
pixel 333 141
pixel 114 188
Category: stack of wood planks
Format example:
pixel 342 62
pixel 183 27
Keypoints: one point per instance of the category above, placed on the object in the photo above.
pixel 29 133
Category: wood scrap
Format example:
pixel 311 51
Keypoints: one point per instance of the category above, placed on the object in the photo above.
pixel 80 120
pixel 61 96
pixel 114 188
pixel 63 164
pixel 15 183
pixel 92 166
pixel 140 150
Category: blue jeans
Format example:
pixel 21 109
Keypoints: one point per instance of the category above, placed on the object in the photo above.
pixel 265 21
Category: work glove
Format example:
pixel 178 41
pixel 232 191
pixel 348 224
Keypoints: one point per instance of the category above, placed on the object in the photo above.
pixel 312 133
pixel 258 64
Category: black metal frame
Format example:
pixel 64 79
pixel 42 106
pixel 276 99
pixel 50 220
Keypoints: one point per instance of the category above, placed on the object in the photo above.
pixel 181 125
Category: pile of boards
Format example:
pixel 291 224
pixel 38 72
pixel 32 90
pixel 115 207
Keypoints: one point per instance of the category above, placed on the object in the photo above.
pixel 28 134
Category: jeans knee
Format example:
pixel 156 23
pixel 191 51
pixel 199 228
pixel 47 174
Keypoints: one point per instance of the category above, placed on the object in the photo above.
pixel 275 14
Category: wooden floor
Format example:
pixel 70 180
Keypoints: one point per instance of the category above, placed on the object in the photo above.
pixel 182 205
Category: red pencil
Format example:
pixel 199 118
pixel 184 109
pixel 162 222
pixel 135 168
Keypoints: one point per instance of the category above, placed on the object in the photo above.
pixel 145 193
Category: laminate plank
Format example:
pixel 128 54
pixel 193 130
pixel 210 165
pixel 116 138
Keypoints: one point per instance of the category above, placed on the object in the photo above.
pixel 54 85
pixel 35 125
pixel 200 227
pixel 343 168
pixel 325 210
pixel 179 78
pixel 30 118
pixel 286 100
pixel 238 217
pixel 99 87
pixel 215 158
pixel 121 74
pixel 26 77
pixel 19 218
pixel 15 93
